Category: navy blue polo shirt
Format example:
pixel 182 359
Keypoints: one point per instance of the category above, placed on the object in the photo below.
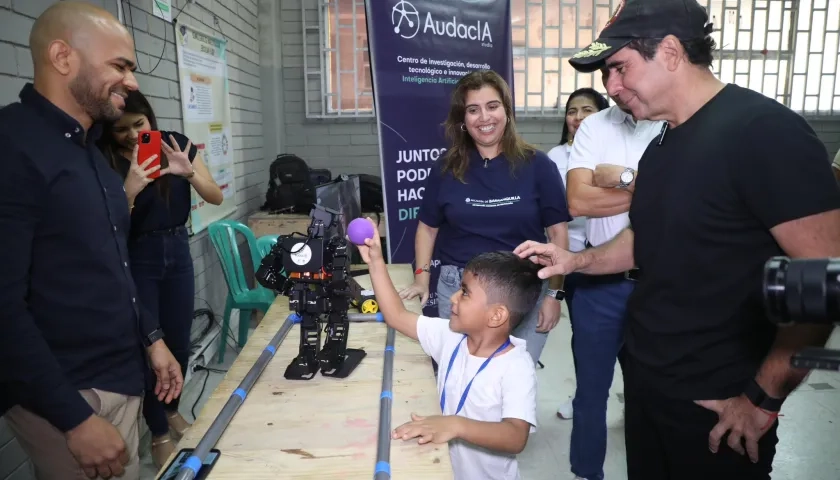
pixel 494 208
pixel 70 317
pixel 155 209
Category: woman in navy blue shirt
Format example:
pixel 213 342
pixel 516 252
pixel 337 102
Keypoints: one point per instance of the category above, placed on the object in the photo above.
pixel 159 246
pixel 490 191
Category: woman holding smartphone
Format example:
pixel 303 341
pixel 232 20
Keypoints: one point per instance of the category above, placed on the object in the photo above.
pixel 159 246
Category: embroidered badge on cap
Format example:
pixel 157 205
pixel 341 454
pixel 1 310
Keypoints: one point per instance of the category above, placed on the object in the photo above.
pixel 593 50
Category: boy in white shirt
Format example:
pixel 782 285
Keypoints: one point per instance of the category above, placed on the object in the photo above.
pixel 486 381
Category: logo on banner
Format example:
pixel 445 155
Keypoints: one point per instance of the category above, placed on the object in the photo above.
pixel 409 15
pixel 406 20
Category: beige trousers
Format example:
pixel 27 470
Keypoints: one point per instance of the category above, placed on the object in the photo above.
pixel 47 446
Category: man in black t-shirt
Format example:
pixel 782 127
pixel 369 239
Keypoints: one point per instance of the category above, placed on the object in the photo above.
pixel 736 179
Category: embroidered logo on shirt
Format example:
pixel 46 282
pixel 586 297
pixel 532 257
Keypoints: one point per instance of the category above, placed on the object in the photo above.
pixel 493 202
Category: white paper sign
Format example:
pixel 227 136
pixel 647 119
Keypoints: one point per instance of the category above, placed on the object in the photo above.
pixel 162 9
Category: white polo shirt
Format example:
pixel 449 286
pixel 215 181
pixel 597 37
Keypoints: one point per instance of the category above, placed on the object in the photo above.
pixel 577 227
pixel 610 136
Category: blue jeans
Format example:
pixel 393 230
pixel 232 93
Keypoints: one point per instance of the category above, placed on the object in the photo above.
pixel 570 287
pixel 162 268
pixel 598 335
pixel 449 282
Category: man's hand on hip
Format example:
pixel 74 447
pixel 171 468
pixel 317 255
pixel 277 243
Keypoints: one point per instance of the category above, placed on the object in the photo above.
pixel 742 420
pixel 170 380
pixel 98 447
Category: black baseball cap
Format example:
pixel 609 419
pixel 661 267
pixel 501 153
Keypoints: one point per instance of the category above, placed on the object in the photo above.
pixel 640 19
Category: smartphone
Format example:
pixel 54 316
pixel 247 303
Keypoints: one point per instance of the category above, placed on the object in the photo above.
pixel 174 467
pixel 149 144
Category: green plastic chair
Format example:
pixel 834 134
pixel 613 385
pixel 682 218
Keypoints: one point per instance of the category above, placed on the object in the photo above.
pixel 240 296
pixel 265 243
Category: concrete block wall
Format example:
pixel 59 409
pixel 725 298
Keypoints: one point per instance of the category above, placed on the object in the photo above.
pixel 238 21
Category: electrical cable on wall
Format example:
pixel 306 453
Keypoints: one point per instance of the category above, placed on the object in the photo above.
pixel 121 8
pixel 212 320
pixel 199 368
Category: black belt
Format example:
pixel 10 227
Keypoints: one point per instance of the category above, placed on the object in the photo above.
pixel 161 232
pixel 633 274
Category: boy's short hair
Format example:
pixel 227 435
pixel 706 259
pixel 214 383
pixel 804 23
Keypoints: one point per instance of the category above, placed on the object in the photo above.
pixel 508 280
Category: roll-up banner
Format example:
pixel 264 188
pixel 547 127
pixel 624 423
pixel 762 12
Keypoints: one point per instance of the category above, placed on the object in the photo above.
pixel 419 49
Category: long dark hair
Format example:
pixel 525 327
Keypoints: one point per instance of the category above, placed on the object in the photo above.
pixel 135 103
pixel 456 158
pixel 600 101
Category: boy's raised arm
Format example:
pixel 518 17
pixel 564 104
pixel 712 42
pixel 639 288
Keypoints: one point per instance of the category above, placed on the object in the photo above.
pixel 390 303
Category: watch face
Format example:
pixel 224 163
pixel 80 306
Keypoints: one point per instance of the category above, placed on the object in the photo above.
pixel 626 177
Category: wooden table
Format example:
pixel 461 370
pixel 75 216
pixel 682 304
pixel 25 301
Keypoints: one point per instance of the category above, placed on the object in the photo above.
pixel 324 428
pixel 263 223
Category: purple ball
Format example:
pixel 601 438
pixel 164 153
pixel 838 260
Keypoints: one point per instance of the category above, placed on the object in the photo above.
pixel 359 230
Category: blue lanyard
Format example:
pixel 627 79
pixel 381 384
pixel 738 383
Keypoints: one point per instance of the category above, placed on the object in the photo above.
pixel 466 390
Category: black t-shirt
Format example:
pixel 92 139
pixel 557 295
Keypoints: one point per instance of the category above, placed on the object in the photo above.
pixel 154 208
pixel 704 204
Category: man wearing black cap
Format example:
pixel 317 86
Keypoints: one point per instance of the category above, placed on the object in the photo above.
pixel 734 179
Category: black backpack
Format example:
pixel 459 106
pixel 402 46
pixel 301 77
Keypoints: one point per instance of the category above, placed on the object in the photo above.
pixel 290 185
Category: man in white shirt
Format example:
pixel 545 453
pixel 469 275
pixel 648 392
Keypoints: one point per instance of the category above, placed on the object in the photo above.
pixel 577 242
pixel 601 175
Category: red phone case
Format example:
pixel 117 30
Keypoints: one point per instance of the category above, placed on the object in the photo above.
pixel 149 144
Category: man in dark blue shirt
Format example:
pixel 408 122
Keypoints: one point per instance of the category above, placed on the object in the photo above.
pixel 72 335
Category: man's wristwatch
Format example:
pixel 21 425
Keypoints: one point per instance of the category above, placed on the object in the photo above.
pixel 558 295
pixel 758 397
pixel 626 177
pixel 153 337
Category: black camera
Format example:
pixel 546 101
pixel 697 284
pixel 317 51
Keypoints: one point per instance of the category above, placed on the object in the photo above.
pixel 805 290
pixel 313 270
pixel 146 138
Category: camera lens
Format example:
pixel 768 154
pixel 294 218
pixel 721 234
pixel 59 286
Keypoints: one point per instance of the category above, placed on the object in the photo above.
pixel 774 288
pixel 145 138
pixel 802 290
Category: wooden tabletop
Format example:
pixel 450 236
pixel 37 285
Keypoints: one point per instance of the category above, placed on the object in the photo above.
pixel 264 223
pixel 324 428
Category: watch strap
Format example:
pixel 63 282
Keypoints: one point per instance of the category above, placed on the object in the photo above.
pixel 556 294
pixel 758 397
pixel 153 337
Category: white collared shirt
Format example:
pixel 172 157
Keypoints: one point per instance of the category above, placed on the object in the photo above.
pixel 577 227
pixel 610 136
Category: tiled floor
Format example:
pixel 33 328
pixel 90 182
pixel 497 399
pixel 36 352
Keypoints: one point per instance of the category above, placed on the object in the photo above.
pixel 809 444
